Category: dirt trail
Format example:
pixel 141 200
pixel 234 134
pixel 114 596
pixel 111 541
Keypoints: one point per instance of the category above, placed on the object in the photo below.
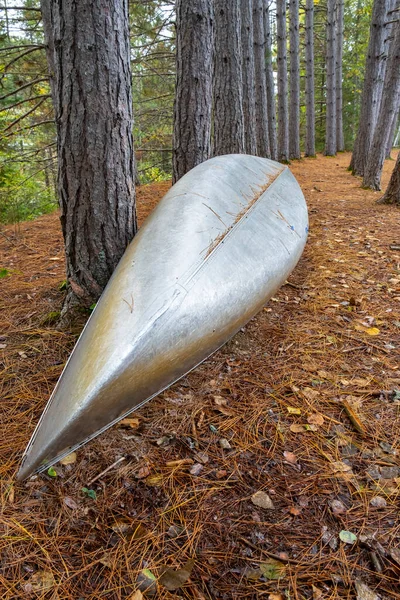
pixel 301 405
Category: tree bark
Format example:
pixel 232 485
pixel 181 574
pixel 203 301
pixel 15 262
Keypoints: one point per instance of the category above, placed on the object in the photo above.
pixel 294 111
pixel 283 118
pixel 377 151
pixel 369 101
pixel 249 81
pixel 392 194
pixel 263 148
pixel 228 81
pixel 339 75
pixel 271 117
pixel 193 89
pixel 310 94
pixel 330 136
pixel 393 131
pixel 88 53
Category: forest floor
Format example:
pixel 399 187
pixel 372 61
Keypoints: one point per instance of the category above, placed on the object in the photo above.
pixel 303 500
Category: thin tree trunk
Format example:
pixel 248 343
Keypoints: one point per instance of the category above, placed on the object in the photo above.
pixel 249 82
pixel 294 111
pixel 375 55
pixel 392 194
pixel 393 131
pixel 330 136
pixel 389 103
pixel 339 75
pixel 193 90
pixel 228 82
pixel 310 94
pixel 270 83
pixel 283 115
pixel 88 53
pixel 263 148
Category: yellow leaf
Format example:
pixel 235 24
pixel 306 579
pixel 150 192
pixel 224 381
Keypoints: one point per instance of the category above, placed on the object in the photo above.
pixel 292 410
pixel 372 331
pixel 315 419
pixel 69 459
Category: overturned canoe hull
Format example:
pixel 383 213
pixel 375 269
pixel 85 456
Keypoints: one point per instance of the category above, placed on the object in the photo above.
pixel 216 248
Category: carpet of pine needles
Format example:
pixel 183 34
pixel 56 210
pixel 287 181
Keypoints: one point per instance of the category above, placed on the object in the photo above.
pixel 303 405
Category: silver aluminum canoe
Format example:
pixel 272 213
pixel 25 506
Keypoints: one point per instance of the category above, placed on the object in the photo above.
pixel 216 248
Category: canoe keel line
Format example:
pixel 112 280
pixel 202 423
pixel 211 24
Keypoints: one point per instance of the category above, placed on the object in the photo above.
pixel 219 244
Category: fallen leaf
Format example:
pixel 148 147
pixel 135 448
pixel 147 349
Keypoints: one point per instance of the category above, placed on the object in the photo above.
pixel 136 595
pixel 147 582
pixel 276 597
pixel 143 472
pixel 70 502
pixel 196 469
pixel 309 393
pixel 42 581
pixel 337 507
pixel 220 401
pixel 155 480
pixel 317 593
pixel 372 331
pixel 315 419
pixel 378 502
pixel 273 569
pixel 173 580
pixel 221 474
pixel 262 500
pixel 52 472
pixel 347 537
pixel 290 457
pixel 89 493
pixel 292 410
pixel 69 459
pixel 253 574
pixel 295 511
pixel 201 457
pixel 302 427
pixel 340 467
pixel 106 560
pixel 364 592
pixel 395 554
pixel 133 423
pixel 225 445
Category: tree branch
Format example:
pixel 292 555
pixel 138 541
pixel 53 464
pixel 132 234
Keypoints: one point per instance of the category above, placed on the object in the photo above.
pixel 23 101
pixel 14 60
pixel 29 127
pixel 22 87
pixel 29 112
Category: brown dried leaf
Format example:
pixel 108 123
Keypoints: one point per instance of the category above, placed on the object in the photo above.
pixel 262 500
pixel 42 581
pixel 290 457
pixel 136 595
pixel 173 580
pixel 143 472
pixel 315 419
pixel 340 467
pixel 302 427
pixel 70 502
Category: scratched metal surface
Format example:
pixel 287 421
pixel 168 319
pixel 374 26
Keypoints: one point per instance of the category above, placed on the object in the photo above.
pixel 216 248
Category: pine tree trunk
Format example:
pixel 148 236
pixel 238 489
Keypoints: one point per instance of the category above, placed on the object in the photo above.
pixel 270 84
pixel 330 136
pixel 87 46
pixel 263 148
pixel 392 194
pixel 339 75
pixel 283 115
pixel 228 80
pixel 375 55
pixel 393 131
pixel 389 103
pixel 294 111
pixel 249 82
pixel 310 94
pixel 193 90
